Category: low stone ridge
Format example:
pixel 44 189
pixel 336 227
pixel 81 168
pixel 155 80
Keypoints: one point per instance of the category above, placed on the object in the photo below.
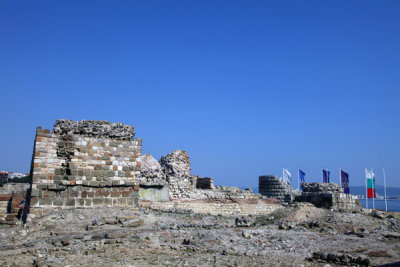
pixel 94 128
pixel 322 187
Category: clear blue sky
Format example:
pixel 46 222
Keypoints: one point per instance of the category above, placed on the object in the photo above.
pixel 246 87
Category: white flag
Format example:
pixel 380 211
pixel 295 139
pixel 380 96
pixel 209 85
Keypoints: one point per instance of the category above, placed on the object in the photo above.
pixel 287 176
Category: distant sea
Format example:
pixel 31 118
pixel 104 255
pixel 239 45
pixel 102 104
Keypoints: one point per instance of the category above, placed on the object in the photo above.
pixel 393 205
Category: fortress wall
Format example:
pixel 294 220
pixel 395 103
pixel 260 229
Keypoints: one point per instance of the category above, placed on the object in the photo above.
pixel 93 156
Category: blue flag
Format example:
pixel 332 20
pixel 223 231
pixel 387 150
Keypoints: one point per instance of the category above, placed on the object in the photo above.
pixel 301 177
pixel 326 176
pixel 344 178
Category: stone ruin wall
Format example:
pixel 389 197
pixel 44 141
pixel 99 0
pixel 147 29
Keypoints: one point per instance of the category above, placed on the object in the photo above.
pixel 328 195
pixel 11 195
pixel 324 195
pixel 97 163
pixel 273 187
pixel 85 164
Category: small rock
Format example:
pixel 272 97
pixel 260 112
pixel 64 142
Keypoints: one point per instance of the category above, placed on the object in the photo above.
pixel 242 222
pixel 281 225
pixel 377 214
pixel 65 241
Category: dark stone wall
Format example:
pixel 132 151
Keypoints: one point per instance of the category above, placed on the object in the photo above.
pixel 273 187
pixel 205 183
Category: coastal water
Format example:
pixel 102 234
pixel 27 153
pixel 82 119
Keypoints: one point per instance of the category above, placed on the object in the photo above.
pixel 393 205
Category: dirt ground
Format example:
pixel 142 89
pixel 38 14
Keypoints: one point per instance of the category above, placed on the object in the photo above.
pixel 291 236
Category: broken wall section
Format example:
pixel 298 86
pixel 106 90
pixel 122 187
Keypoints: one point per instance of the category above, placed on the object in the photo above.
pixel 328 195
pixel 90 156
pixel 11 195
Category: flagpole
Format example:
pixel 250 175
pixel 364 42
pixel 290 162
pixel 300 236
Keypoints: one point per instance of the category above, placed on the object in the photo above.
pixel 373 192
pixel 298 178
pixel 340 176
pixel 366 189
pixel 322 172
pixel 384 186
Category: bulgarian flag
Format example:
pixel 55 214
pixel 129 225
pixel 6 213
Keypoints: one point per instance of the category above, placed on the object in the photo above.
pixel 370 176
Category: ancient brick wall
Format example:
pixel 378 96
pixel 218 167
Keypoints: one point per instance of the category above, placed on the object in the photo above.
pixel 87 156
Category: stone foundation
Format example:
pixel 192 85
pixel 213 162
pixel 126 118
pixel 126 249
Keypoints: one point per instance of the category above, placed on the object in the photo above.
pixel 81 196
pixel 242 208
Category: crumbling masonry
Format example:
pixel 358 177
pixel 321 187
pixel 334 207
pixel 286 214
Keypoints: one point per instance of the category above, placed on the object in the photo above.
pixel 85 164
pixel 97 163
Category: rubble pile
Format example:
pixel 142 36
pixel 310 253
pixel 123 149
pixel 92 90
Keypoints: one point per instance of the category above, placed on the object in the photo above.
pixel 94 128
pixel 151 172
pixel 325 188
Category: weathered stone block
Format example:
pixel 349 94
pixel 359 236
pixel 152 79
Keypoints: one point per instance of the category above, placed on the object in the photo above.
pixel 70 202
pixel 34 201
pixel 73 194
pixel 115 194
pixel 98 201
pixel 80 202
pixel 58 201
pixel 88 202
pixel 45 201
pixel 46 193
pixel 94 183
